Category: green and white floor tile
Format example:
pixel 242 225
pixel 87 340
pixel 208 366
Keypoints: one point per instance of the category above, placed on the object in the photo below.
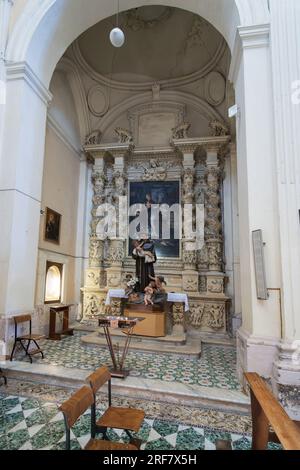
pixel 215 368
pixel 34 424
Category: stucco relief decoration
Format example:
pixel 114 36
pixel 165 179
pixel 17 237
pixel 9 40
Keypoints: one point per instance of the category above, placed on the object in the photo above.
pixel 114 308
pixel 188 178
pixel 116 251
pixel 91 306
pixel 99 182
pixel 155 171
pixel 124 136
pixel 195 36
pixel 94 279
pixel 196 314
pixel 215 286
pixel 114 280
pixel 190 284
pixel 181 131
pixel 215 316
pixel 178 313
pixel 96 252
pixel 215 88
pixel 207 315
pixel 134 19
pixel 97 101
pixel 218 128
pixel 119 183
pixel 94 138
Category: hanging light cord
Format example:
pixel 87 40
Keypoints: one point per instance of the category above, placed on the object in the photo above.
pixel 118 13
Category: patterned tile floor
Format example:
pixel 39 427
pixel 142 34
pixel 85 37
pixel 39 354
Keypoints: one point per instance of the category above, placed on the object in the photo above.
pixel 216 367
pixel 29 423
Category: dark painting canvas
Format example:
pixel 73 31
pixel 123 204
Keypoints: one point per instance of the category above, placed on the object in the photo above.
pixel 157 192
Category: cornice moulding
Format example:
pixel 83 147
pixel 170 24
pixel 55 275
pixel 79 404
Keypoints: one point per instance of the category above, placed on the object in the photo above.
pixel 61 134
pixel 22 71
pixel 165 83
pixel 247 37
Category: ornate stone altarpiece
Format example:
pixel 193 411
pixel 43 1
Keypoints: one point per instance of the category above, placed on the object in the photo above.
pixel 198 164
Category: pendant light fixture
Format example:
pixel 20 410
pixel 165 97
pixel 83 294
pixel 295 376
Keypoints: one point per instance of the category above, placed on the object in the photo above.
pixel 117 37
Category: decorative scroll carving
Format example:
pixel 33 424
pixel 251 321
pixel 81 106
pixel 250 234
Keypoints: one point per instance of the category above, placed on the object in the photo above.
pixel 94 138
pixel 218 128
pixel 181 131
pixel 156 171
pixel 124 136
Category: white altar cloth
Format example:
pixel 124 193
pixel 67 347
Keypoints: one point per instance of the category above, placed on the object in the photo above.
pixel 116 293
pixel 179 298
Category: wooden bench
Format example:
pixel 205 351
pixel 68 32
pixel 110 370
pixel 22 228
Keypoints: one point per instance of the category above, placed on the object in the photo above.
pixel 266 411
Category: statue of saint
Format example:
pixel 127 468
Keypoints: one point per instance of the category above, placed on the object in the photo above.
pixel 145 256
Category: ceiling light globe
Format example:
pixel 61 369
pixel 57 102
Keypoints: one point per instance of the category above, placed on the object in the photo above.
pixel 117 37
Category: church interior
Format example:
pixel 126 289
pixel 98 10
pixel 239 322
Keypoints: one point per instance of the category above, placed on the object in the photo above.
pixel 191 332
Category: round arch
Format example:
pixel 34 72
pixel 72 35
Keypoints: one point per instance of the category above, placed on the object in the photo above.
pixel 45 29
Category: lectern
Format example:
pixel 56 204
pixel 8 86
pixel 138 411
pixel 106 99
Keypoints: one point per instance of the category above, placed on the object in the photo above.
pixel 54 310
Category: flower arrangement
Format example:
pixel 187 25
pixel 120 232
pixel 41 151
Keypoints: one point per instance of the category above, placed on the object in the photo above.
pixel 131 285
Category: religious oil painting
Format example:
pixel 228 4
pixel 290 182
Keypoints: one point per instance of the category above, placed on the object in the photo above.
pixel 153 194
pixel 52 226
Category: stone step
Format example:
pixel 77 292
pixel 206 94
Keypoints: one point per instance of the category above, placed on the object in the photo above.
pixel 169 344
pixel 133 387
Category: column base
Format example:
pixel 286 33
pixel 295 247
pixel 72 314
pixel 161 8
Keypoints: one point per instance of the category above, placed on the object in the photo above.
pixel 277 362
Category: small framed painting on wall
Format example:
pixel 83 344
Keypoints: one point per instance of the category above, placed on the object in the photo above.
pixel 52 226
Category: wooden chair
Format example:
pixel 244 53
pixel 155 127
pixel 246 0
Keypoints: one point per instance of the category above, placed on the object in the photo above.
pixel 2 376
pixel 73 408
pixel 266 411
pixel 29 338
pixel 128 419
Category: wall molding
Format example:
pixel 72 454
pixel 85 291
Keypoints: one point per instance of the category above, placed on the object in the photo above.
pixel 167 97
pixel 60 133
pixel 247 37
pixel 68 67
pixel 145 86
pixel 23 71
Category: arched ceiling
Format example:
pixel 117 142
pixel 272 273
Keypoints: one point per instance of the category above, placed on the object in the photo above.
pixel 161 43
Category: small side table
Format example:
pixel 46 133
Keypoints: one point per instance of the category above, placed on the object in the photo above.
pixel 127 325
pixel 53 334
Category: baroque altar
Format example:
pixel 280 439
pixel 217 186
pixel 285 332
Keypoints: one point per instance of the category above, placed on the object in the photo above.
pixel 198 164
